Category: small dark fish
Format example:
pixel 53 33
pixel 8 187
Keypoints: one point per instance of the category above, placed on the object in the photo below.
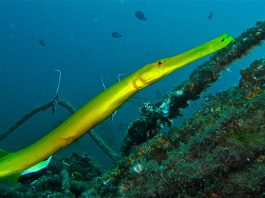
pixel 140 15
pixel 210 15
pixel 42 42
pixel 116 35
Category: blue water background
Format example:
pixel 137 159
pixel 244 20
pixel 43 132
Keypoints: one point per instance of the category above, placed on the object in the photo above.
pixel 78 42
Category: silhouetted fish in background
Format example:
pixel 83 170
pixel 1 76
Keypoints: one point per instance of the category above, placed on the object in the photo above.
pixel 42 42
pixel 116 35
pixel 210 15
pixel 140 15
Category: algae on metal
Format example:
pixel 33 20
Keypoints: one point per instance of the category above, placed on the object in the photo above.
pixel 211 155
pixel 152 120
pixel 219 152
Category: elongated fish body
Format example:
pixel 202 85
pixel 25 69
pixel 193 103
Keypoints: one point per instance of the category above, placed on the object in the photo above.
pixel 100 107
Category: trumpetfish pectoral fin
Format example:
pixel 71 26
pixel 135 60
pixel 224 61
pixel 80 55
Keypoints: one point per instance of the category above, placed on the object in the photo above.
pixel 33 173
pixel 37 167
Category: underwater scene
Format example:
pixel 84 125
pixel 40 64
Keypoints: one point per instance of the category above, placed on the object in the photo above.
pixel 132 98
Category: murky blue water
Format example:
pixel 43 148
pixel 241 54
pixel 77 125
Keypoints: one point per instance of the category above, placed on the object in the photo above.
pixel 76 37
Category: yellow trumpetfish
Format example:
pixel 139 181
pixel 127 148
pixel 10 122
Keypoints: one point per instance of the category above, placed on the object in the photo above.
pixel 102 106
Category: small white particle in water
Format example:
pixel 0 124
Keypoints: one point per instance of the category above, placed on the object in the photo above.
pixel 179 92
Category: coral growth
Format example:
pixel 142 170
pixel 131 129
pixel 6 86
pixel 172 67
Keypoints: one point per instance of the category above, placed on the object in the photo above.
pixel 219 152
pixel 149 124
pixel 64 177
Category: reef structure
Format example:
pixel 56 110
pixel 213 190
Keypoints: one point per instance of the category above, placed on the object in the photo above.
pixel 64 177
pixel 219 152
pixel 101 107
pixel 155 116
